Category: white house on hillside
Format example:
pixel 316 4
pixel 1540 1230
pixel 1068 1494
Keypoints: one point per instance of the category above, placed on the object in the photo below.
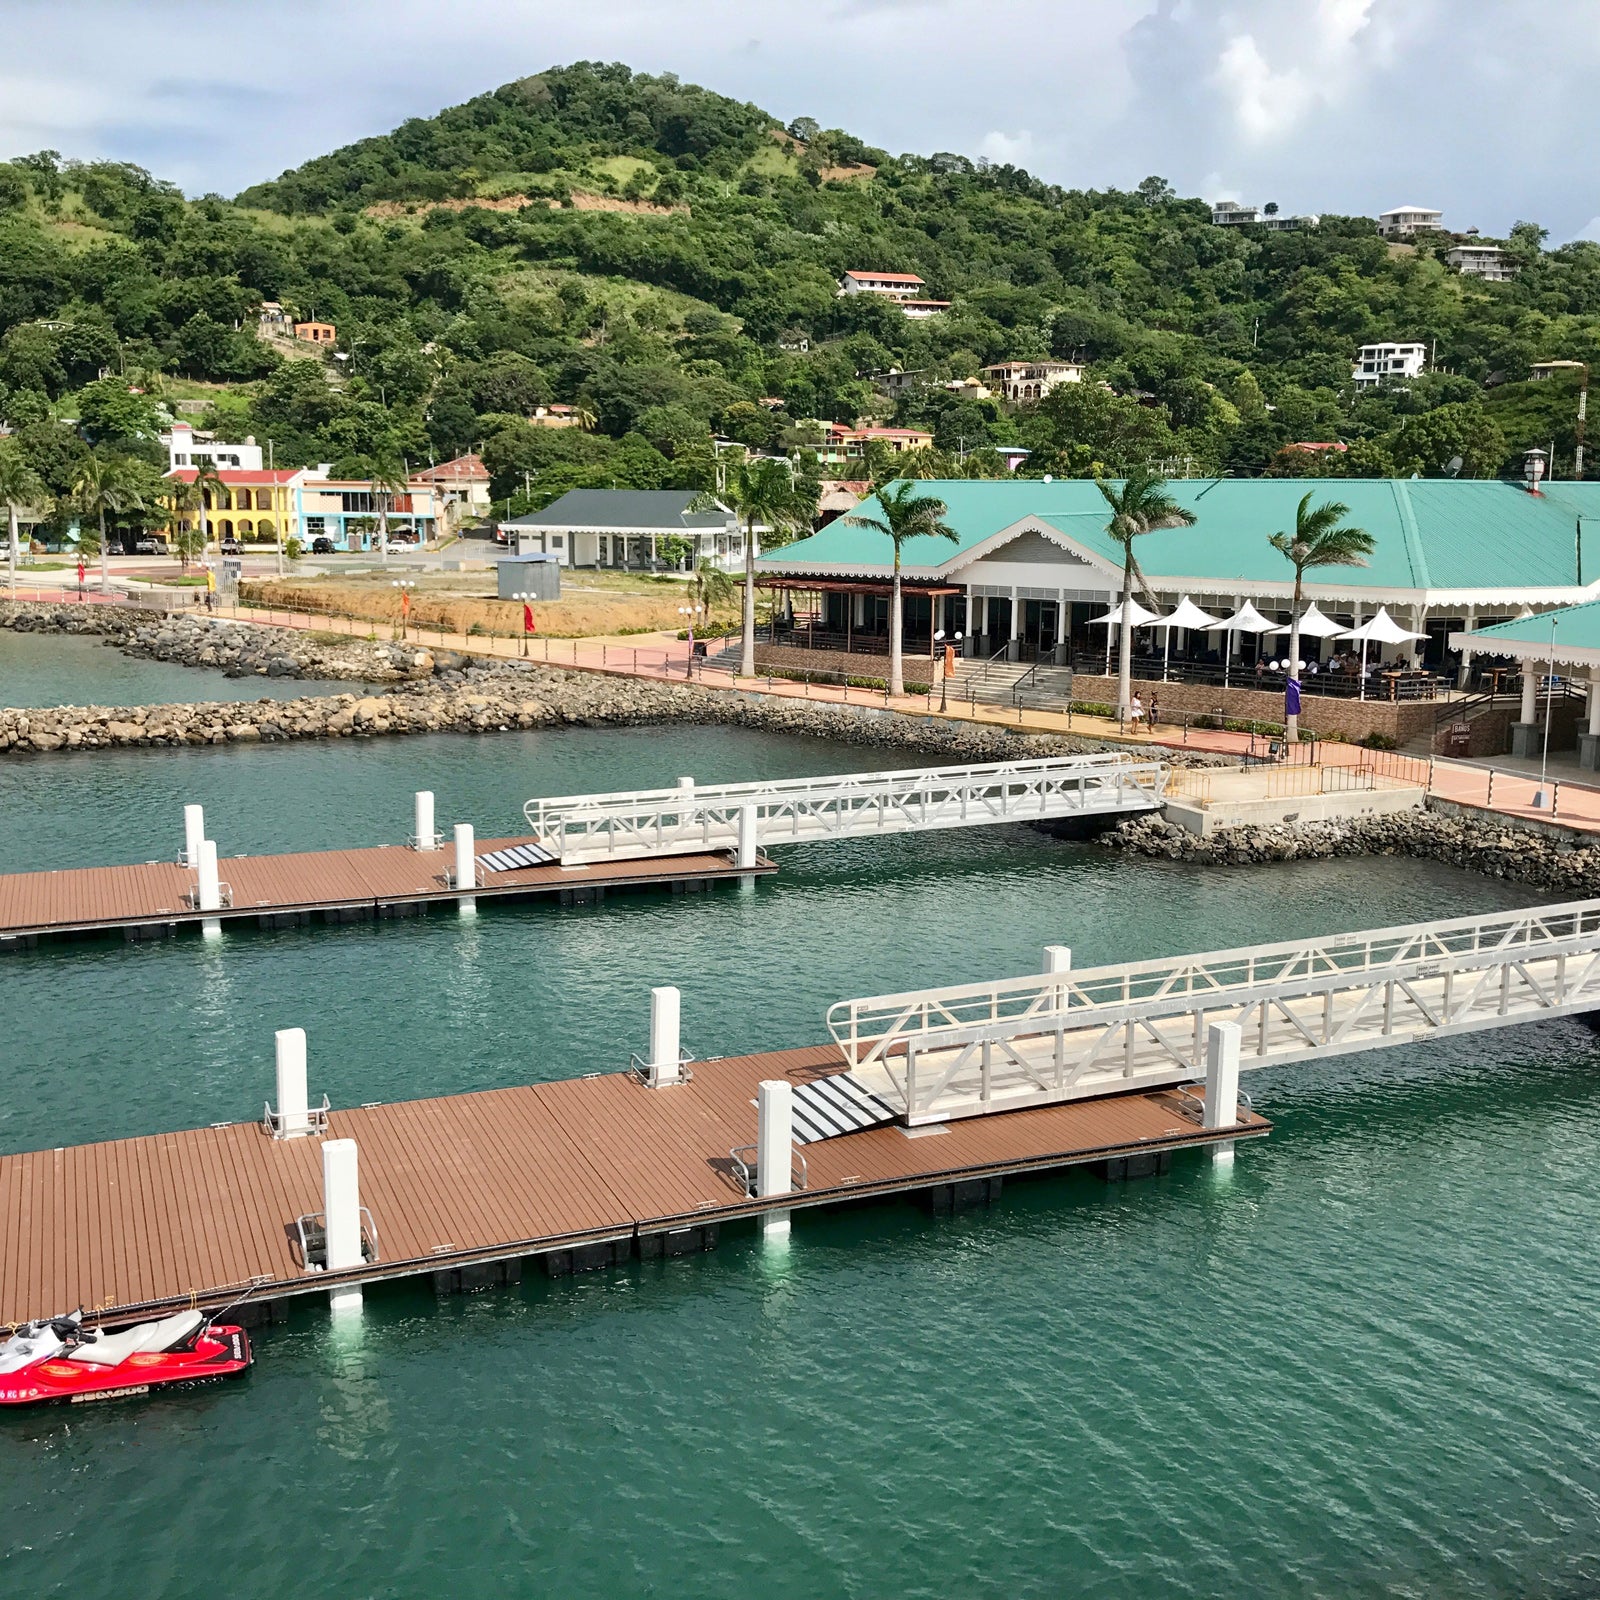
pixel 1482 261
pixel 894 285
pixel 1402 221
pixel 1384 363
pixel 1020 381
pixel 183 450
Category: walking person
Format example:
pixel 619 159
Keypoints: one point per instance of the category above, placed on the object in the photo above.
pixel 1155 712
pixel 1136 712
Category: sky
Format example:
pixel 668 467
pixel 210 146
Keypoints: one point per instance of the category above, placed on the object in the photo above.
pixel 1482 108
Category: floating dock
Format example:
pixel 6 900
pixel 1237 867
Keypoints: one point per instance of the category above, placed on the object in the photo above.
pixel 579 1173
pixel 158 898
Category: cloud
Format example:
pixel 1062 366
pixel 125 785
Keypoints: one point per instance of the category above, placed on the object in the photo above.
pixel 1478 106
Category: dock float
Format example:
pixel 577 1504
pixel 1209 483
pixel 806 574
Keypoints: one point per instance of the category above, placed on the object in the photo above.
pixel 159 898
pixel 579 1173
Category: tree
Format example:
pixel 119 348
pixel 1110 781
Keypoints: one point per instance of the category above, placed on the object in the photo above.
pixel 209 490
pixel 1318 540
pixel 711 586
pixel 1430 442
pixel 21 488
pixel 105 484
pixel 1141 505
pixel 906 514
pixel 388 482
pixel 760 493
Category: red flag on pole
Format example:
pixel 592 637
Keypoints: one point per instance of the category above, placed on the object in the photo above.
pixel 527 619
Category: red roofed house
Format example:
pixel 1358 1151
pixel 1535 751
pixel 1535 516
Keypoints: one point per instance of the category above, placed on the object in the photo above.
pixel 896 285
pixel 463 481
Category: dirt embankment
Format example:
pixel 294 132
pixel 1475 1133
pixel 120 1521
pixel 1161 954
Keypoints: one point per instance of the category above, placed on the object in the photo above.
pixel 582 200
pixel 579 614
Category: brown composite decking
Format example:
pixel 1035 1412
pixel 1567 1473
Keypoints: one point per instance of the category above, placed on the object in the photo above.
pixel 135 1224
pixel 93 899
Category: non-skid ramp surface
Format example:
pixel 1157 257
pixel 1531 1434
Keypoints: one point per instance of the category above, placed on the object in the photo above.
pixel 515 858
pixel 134 1225
pixel 835 1105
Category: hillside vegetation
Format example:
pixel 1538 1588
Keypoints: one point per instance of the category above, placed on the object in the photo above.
pixel 665 259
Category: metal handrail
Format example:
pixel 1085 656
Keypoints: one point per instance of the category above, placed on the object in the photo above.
pixel 316 1121
pixel 311 1223
pixel 747 1173
pixel 648 1073
pixel 191 898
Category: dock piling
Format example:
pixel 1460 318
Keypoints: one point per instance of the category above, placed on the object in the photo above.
pixel 1223 1040
pixel 774 1150
pixel 208 888
pixel 466 869
pixel 423 836
pixel 749 840
pixel 341 1217
pixel 294 1115
pixel 666 1054
pixel 194 830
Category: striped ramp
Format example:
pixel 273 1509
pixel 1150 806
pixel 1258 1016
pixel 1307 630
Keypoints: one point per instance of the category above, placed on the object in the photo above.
pixel 516 858
pixel 834 1105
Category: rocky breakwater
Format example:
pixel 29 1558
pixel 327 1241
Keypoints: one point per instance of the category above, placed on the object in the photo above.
pixel 463 695
pixel 1564 865
pixel 238 649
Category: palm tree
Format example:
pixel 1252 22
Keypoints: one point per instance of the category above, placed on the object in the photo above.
pixel 1142 505
pixel 760 493
pixel 182 498
pixel 209 489
pixel 905 515
pixel 1317 541
pixel 20 487
pixel 710 586
pixel 388 484
pixel 584 415
pixel 105 484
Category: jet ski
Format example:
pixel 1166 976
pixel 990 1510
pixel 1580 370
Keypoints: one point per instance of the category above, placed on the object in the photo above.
pixel 60 1360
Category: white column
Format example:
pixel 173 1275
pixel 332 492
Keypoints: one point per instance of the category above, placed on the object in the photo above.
pixel 748 838
pixel 422 821
pixel 1223 1040
pixel 1012 649
pixel 1594 700
pixel 1530 692
pixel 774 1146
pixel 666 1063
pixel 1464 671
pixel 466 869
pixel 1057 958
pixel 208 888
pixel 293 1113
pixel 194 830
pixel 341 1216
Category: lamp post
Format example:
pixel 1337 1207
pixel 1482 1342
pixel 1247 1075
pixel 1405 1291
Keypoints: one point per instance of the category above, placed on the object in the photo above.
pixel 405 586
pixel 1549 691
pixel 690 612
pixel 945 665
pixel 525 595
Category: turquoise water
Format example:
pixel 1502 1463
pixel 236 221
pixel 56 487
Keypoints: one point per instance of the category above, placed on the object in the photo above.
pixel 53 669
pixel 1361 1365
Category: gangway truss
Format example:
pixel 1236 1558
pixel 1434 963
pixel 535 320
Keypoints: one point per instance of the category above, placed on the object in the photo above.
pixel 736 816
pixel 1065 1035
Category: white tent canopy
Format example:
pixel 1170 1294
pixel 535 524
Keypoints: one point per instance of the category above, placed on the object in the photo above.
pixel 1129 611
pixel 1188 615
pixel 1381 629
pixel 1245 620
pixel 1313 625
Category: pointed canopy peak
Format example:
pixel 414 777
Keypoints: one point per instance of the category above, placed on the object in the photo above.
pixel 1245 620
pixel 1313 625
pixel 1130 612
pixel 1188 615
pixel 1381 629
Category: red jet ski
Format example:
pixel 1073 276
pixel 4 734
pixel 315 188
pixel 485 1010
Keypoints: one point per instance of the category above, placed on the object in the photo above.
pixel 63 1361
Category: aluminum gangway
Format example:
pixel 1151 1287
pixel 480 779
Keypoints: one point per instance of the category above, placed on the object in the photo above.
pixel 1066 1035
pixel 740 816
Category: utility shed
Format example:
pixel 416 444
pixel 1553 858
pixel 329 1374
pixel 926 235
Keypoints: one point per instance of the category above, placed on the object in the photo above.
pixel 538 575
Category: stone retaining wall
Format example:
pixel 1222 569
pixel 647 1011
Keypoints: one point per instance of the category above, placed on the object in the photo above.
pixel 830 665
pixel 1350 719
pixel 1560 861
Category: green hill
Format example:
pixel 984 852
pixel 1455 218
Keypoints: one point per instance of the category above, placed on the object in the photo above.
pixel 665 259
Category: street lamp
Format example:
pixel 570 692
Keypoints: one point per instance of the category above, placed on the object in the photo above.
pixel 690 612
pixel 525 595
pixel 946 666
pixel 405 586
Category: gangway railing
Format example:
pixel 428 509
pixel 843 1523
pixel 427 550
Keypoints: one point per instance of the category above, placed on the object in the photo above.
pixel 973 1048
pixel 711 817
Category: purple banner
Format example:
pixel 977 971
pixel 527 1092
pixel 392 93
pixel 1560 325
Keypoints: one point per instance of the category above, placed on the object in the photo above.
pixel 1291 698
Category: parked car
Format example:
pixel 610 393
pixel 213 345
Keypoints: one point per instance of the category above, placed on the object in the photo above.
pixel 150 544
pixel 322 545
pixel 399 547
pixel 232 547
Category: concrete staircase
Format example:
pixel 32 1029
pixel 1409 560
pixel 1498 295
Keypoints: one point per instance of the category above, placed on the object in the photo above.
pixel 988 682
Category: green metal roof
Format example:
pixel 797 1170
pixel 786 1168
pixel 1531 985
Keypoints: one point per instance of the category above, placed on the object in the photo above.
pixel 1571 627
pixel 1431 533
pixel 666 510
